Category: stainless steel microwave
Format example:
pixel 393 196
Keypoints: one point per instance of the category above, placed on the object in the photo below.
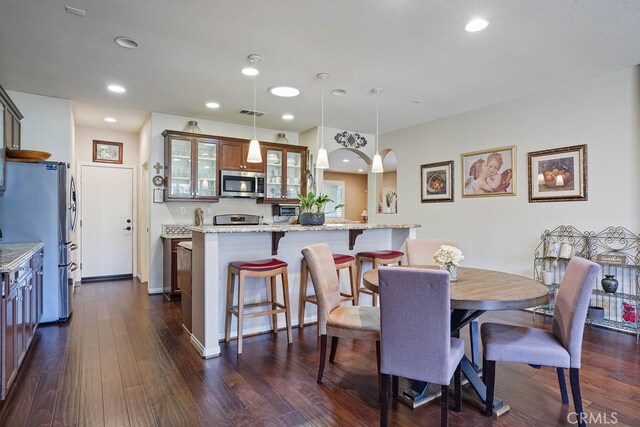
pixel 241 184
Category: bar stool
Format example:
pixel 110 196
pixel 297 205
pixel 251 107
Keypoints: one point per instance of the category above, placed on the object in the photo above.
pixel 269 269
pixel 342 261
pixel 375 258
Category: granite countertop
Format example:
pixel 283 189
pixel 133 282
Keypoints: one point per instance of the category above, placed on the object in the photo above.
pixel 186 245
pixel 296 227
pixel 14 254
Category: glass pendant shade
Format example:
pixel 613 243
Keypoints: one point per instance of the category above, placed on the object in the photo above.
pixel 323 159
pixel 254 155
pixel 377 164
pixel 192 127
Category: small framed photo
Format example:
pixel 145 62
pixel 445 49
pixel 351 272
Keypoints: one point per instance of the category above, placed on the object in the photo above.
pixel 436 181
pixel 107 152
pixel 489 172
pixel 558 175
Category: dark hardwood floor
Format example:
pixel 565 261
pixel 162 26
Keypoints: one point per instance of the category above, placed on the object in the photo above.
pixel 124 359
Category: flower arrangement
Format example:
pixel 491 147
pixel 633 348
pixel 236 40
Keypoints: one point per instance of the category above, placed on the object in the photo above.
pixel 389 197
pixel 448 255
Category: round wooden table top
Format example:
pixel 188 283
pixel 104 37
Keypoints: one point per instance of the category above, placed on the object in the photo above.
pixel 478 289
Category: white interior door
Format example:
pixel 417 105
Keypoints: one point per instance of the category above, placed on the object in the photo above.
pixel 106 221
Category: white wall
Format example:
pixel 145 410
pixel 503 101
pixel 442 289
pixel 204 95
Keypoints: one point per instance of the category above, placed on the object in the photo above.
pixel 84 143
pixel 502 232
pixel 169 213
pixel 145 171
pixel 47 124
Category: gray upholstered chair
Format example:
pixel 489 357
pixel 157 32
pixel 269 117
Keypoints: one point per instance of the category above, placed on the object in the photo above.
pixel 415 333
pixel 561 347
pixel 334 320
pixel 420 251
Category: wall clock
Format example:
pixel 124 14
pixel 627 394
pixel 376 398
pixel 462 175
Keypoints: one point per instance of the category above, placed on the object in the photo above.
pixel 158 181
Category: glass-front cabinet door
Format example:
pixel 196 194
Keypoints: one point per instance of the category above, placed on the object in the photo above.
pixel 191 167
pixel 274 174
pixel 294 175
pixel 206 184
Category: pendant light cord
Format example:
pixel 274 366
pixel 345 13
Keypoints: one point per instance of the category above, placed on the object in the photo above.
pixel 322 116
pixel 377 113
pixel 255 79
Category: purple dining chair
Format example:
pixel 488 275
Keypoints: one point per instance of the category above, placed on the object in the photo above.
pixel 415 333
pixel 561 347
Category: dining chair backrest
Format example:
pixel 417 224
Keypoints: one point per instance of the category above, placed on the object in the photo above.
pixel 325 281
pixel 420 251
pixel 415 323
pixel 572 303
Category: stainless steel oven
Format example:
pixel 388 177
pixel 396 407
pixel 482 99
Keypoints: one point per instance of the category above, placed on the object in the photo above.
pixel 241 184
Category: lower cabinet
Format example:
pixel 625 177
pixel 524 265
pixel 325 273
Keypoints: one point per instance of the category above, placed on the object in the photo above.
pixel 21 307
pixel 170 274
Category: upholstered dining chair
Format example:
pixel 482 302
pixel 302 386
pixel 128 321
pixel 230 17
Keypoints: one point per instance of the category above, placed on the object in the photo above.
pixel 415 333
pixel 561 347
pixel 334 320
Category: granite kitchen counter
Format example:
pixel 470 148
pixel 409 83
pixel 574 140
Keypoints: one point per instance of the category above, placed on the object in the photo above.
pixel 14 254
pixel 296 227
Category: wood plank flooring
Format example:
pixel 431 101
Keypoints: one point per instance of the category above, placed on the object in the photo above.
pixel 124 360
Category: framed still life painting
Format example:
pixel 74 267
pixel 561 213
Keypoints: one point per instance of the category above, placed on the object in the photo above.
pixel 436 181
pixel 559 174
pixel 489 172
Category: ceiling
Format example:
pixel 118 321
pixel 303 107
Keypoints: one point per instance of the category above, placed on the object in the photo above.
pixel 191 52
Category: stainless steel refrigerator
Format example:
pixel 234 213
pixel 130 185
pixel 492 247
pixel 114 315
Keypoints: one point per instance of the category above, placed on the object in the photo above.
pixel 39 205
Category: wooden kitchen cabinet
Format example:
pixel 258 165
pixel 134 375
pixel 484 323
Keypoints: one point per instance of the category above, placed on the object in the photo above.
pixel 184 282
pixel 170 268
pixel 191 165
pixel 285 174
pixel 233 156
pixel 21 306
pixel 10 118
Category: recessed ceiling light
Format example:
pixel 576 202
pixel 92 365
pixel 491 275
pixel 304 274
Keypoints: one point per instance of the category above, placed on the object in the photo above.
pixel 477 24
pixel 213 105
pixel 287 117
pixel 345 160
pixel 110 120
pixel 338 92
pixel 127 42
pixel 360 170
pixel 284 91
pixel 116 89
pixel 250 71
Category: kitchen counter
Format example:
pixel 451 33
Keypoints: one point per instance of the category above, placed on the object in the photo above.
pixel 14 254
pixel 214 247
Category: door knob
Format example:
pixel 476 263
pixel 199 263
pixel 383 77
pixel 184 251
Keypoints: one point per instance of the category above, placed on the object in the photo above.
pixel 128 228
pixel 128 221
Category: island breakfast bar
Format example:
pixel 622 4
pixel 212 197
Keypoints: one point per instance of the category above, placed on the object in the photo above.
pixel 215 246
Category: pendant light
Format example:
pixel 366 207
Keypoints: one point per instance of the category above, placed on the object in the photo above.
pixel 377 160
pixel 323 159
pixel 254 155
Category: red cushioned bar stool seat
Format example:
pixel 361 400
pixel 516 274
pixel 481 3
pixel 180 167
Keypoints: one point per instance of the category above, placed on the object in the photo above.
pixel 375 258
pixel 270 269
pixel 341 261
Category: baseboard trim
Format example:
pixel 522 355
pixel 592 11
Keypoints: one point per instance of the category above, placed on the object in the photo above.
pixel 207 353
pixel 155 291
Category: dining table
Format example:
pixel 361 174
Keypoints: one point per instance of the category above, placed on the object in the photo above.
pixel 476 291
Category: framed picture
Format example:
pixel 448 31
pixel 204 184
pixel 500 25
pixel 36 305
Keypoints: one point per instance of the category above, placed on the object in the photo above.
pixel 107 152
pixel 558 175
pixel 436 182
pixel 489 172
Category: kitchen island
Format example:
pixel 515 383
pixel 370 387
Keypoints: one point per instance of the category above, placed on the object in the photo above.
pixel 215 246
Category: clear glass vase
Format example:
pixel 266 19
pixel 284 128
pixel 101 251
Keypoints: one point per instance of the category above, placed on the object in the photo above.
pixel 452 269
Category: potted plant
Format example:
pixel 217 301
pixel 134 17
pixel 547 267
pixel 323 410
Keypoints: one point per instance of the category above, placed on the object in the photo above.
pixel 389 199
pixel 312 208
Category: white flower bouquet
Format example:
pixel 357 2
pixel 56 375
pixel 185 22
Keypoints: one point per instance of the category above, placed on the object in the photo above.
pixel 447 255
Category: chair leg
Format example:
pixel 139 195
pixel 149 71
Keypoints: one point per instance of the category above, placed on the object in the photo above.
pixel 444 406
pixel 358 279
pixel 563 386
pixel 334 348
pixel 271 284
pixel 227 318
pixel 378 370
pixel 240 310
pixel 574 378
pixel 287 304
pixel 374 296
pixel 394 390
pixel 304 273
pixel 457 381
pixel 323 356
pixel 484 370
pixel 490 380
pixel 384 401
pixel 352 282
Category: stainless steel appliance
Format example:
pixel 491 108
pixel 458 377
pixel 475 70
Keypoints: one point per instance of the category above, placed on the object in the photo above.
pixel 286 210
pixel 241 184
pixel 39 206
pixel 236 219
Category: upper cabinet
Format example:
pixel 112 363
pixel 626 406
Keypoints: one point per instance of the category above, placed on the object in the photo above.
pixel 10 118
pixel 285 174
pixel 191 162
pixel 233 156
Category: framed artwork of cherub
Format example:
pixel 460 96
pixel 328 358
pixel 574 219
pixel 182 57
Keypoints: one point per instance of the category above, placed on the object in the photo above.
pixel 489 172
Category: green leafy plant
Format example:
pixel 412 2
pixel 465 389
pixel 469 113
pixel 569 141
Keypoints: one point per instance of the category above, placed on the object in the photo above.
pixel 389 196
pixel 315 204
